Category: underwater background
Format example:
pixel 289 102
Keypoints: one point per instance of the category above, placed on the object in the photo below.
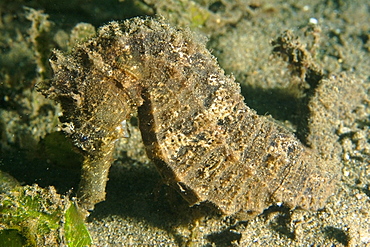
pixel 40 167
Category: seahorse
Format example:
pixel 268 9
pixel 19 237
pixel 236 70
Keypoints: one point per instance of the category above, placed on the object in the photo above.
pixel 204 140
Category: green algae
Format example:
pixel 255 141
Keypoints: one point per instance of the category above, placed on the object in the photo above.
pixel 76 233
pixel 33 216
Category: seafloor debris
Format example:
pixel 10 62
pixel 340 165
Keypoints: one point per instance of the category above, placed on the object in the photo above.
pixel 205 141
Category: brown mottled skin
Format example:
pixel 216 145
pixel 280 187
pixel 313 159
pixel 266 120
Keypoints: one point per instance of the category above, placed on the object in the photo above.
pixel 204 140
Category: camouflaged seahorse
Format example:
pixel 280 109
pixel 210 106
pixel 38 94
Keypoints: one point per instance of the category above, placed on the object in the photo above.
pixel 204 140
